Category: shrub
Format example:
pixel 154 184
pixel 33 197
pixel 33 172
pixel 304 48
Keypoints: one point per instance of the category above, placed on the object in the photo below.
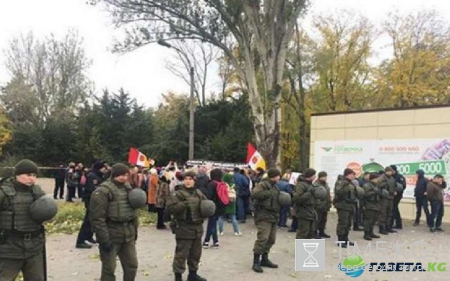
pixel 70 216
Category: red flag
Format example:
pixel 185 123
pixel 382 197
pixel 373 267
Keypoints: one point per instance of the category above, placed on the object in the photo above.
pixel 138 158
pixel 254 158
pixel 133 155
pixel 250 151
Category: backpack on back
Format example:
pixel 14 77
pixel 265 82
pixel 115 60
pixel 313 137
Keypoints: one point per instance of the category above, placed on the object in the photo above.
pixel 232 194
pixel 222 193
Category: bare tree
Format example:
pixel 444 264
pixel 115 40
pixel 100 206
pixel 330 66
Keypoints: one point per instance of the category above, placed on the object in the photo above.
pixel 200 55
pixel 48 78
pixel 260 29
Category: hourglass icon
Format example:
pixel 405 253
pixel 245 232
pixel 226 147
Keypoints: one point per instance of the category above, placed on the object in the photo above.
pixel 310 260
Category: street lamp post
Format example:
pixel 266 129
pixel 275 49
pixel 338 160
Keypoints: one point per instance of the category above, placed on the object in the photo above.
pixel 191 99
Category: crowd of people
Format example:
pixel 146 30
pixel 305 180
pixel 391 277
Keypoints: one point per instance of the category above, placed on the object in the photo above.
pixel 184 198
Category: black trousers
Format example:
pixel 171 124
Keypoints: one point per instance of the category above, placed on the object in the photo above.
pixel 422 203
pixel 70 192
pixel 59 188
pixel 397 218
pixel 160 212
pixel 80 190
pixel 85 232
pixel 357 216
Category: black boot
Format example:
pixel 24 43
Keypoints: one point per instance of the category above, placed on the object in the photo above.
pixel 390 230
pixel 342 239
pixel 367 236
pixel 178 277
pixel 193 276
pixel 317 235
pixel 257 264
pixel 322 234
pixel 348 241
pixel 382 230
pixel 357 228
pixel 265 262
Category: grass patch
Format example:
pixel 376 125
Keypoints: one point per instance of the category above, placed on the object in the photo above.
pixel 70 216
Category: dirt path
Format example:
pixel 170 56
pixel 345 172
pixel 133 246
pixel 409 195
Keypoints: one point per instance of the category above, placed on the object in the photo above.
pixel 233 260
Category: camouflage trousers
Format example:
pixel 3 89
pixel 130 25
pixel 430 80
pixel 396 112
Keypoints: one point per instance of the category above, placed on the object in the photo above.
pixel 128 258
pixel 306 229
pixel 322 217
pixel 189 250
pixel 267 234
pixel 32 268
pixel 370 218
pixel 344 224
pixel 386 213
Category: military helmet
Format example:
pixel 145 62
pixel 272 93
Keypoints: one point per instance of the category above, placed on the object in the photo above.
pixel 43 209
pixel 284 199
pixel 320 193
pixel 207 208
pixel 399 188
pixel 384 193
pixel 359 192
pixel 137 198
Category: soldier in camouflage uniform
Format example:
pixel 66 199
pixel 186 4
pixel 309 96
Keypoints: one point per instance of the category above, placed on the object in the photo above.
pixel 115 224
pixel 371 206
pixel 344 201
pixel 267 212
pixel 187 225
pixel 323 206
pixel 387 182
pixel 305 205
pixel 21 238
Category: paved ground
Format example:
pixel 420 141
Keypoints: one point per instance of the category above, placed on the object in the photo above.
pixel 234 258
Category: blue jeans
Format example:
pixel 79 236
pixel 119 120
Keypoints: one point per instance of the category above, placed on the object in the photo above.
pixel 242 207
pixel 422 203
pixel 211 230
pixel 233 222
pixel 437 212
pixel 284 213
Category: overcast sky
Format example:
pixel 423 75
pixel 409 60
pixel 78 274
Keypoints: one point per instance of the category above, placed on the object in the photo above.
pixel 142 73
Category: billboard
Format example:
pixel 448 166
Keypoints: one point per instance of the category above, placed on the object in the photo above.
pixel 409 155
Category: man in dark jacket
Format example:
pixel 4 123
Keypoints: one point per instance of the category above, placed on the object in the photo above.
pixel 243 194
pixel 436 198
pixel 420 192
pixel 94 179
pixel 60 177
pixel 202 181
pixel 211 194
pixel 397 218
pixel 71 181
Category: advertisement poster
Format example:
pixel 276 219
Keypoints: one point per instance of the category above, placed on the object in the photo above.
pixel 430 155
